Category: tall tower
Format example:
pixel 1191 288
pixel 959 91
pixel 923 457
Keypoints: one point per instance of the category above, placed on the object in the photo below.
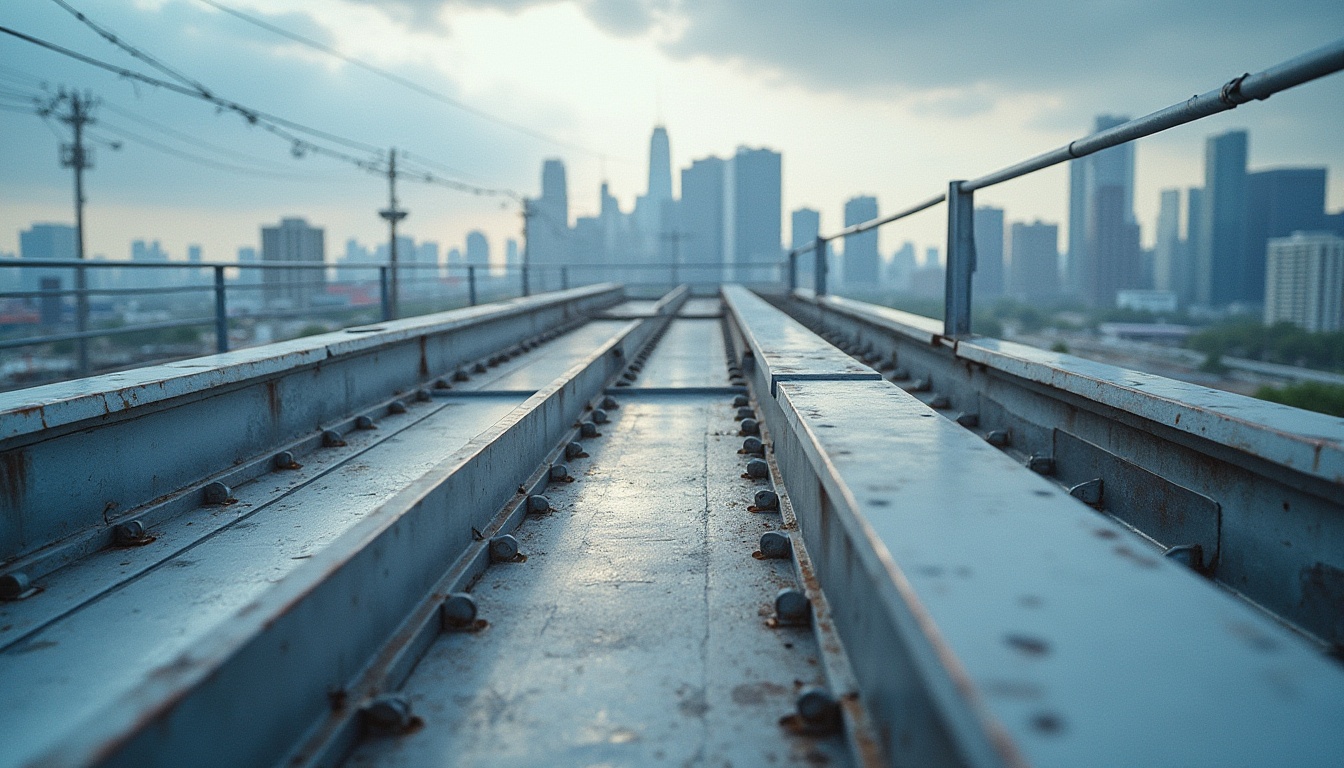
pixel 660 168
pixel 1221 259
pixel 1112 167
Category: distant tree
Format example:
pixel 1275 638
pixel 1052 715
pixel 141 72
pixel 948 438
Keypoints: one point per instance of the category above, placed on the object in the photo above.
pixel 1311 395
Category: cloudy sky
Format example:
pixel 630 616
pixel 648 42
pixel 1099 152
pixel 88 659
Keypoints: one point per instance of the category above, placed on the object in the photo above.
pixel 891 98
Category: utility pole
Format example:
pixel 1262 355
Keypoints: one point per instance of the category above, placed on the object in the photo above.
pixel 527 213
pixel 675 238
pixel 393 215
pixel 76 111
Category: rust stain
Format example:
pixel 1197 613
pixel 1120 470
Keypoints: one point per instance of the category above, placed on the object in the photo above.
pixel 14 476
pixel 424 360
pixel 273 400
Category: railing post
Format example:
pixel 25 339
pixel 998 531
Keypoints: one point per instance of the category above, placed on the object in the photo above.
pixel 221 314
pixel 384 293
pixel 471 284
pixel 82 317
pixel 819 271
pixel 793 271
pixel 527 290
pixel 960 261
pixel 564 278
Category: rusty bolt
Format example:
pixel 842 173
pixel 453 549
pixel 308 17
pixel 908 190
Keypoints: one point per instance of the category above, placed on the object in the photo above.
pixel 792 607
pixel 1189 555
pixel 129 532
pixel 1041 465
pixel 745 413
pixel 387 715
pixel 217 493
pixel 775 545
pixel 998 438
pixel 332 439
pixel 285 460
pixel 537 504
pixel 460 375
pixel 558 473
pixel 609 403
pixel 753 445
pixel 588 428
pixel 14 585
pixel 637 366
pixel 442 384
pixel 758 468
pixel 751 427
pixel 599 416
pixel 573 450
pixel 818 708
pixel 766 499
pixel 740 401
pixel 458 611
pixel 364 422
pixel 479 367
pixel 968 420
pixel 396 406
pixel 629 376
pixel 503 548
pixel 423 395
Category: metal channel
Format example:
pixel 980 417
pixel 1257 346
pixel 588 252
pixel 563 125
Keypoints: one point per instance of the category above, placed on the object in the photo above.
pixel 307 590
pixel 992 619
pixel 1258 486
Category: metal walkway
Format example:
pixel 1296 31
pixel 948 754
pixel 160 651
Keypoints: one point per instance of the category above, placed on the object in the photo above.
pixel 579 530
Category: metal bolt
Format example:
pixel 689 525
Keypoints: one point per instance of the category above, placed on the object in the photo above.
pixel 537 504
pixel 766 498
pixel 332 439
pixel 921 385
pixel 558 472
pixel 503 548
pixel 792 607
pixel 396 406
pixel 775 545
pixel 573 450
pixel 442 384
pixel 479 367
pixel 817 707
pixel 753 445
pixel 14 585
pixel 461 375
pixel 216 493
pixel 740 401
pixel 968 420
pixel 494 360
pixel 364 422
pixel 758 468
pixel 745 413
pixel 285 460
pixel 458 610
pixel 609 403
pixel 998 438
pixel 1189 555
pixel 599 416
pixel 1088 491
pixel 387 715
pixel 751 427
pixel 939 402
pixel 129 532
pixel 900 374
pixel 1041 465
pixel 588 428
pixel 637 366
pixel 423 395
pixel 629 376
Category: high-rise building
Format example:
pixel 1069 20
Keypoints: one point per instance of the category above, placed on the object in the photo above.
pixel 1304 281
pixel 660 167
pixel 900 270
pixel 1166 256
pixel 293 241
pixel 1223 275
pixel 1279 202
pixel 702 214
pixel 548 227
pixel 1113 247
pixel 753 209
pixel 47 242
pixel 987 282
pixel 860 261
pixel 478 249
pixel 1034 260
pixel 1111 167
pixel 510 254
pixel 804 226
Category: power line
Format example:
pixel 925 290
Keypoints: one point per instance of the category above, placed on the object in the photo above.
pixel 398 79
pixel 152 144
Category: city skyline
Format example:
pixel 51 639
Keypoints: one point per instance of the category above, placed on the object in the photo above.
pixel 803 108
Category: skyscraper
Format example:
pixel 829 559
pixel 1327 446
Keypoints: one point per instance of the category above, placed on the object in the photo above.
pixel 1113 247
pixel 1222 271
pixel 1304 281
pixel 660 167
pixel 1112 167
pixel 804 226
pixel 861 260
pixel 702 212
pixel 1279 202
pixel 1034 265
pixel 548 226
pixel 478 249
pixel 47 242
pixel 292 241
pixel 988 280
pixel 753 209
pixel 1166 254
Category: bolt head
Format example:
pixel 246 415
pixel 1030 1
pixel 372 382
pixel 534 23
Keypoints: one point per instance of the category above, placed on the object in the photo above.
pixel 503 548
pixel 968 420
pixel 573 450
pixel 423 395
pixel 817 706
pixel 128 532
pixel 745 413
pixel 775 545
pixel 363 422
pixel 387 714
pixel 559 472
pixel 588 428
pixel 758 468
pixel 751 427
pixel 792 606
pixel 217 493
pixel 740 401
pixel 599 416
pixel 998 438
pixel 13 585
pixel 767 499
pixel 460 375
pixel 609 403
pixel 753 445
pixel 459 610
pixel 1041 465
pixel 537 504
pixel 396 406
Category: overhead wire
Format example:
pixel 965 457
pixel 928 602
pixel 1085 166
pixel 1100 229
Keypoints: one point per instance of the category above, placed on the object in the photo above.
pixel 103 125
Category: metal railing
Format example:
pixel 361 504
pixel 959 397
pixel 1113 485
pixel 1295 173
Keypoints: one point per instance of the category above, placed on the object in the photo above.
pixel 239 292
pixel 1315 64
